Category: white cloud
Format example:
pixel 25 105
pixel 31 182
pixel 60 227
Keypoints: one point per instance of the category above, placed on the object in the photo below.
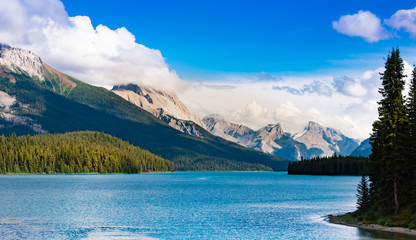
pixel 103 56
pixel 265 76
pixel 97 55
pixel 403 20
pixel 318 87
pixel 362 24
pixel 349 86
pixel 347 103
pixel 341 85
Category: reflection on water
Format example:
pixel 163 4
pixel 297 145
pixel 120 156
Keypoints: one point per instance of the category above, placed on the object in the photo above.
pixel 181 205
pixel 104 233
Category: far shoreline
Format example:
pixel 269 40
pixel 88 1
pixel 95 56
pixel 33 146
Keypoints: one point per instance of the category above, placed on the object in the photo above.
pixel 373 227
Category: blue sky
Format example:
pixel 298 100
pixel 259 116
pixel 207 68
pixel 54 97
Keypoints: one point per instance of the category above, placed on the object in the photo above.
pixel 202 38
pixel 254 62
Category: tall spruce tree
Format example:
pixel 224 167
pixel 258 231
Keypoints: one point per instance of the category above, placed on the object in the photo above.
pixel 389 153
pixel 411 115
pixel 363 195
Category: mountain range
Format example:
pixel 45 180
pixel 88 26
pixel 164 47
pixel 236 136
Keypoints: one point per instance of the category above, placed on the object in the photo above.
pixel 35 98
pixel 315 140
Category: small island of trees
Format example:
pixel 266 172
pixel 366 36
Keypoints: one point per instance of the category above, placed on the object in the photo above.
pixel 335 165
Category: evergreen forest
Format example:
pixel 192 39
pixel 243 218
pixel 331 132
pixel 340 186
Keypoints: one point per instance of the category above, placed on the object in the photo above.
pixel 335 165
pixel 76 152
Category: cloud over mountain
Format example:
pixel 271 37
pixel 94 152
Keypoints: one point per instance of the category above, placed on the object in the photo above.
pixel 347 102
pixel 98 55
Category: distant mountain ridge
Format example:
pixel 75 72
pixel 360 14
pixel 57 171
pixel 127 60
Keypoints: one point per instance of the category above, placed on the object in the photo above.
pixel 35 98
pixel 164 105
pixel 219 126
pixel 325 141
pixel 315 140
pixel 364 150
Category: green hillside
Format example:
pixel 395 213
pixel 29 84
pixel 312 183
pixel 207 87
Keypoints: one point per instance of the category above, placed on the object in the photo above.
pixel 60 108
pixel 76 152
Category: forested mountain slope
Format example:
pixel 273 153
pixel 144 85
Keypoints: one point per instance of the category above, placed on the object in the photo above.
pixel 54 102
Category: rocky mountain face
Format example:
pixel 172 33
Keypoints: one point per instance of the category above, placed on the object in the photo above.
pixel 20 60
pixel 272 139
pixel 16 61
pixel 219 126
pixel 314 141
pixel 325 141
pixel 364 150
pixel 164 105
pixel 35 98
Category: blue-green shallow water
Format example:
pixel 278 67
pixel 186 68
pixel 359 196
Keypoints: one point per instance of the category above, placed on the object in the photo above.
pixel 180 205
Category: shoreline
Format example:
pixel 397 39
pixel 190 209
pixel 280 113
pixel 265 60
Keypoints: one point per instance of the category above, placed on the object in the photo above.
pixel 373 227
pixel 91 173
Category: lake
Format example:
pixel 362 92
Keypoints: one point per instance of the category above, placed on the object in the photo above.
pixel 180 205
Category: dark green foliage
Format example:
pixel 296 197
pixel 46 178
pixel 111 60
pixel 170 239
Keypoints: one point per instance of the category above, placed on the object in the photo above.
pixel 53 81
pixel 411 116
pixel 335 165
pixel 76 152
pixel 392 175
pixel 390 172
pixel 363 195
pixel 96 109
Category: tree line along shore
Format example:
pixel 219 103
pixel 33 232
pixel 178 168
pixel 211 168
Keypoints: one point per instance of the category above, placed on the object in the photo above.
pixel 334 165
pixel 76 152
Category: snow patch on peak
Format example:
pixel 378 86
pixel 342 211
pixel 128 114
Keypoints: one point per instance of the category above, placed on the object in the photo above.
pixel 16 60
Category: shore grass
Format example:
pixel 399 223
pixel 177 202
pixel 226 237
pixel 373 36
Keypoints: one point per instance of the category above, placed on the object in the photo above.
pixel 392 223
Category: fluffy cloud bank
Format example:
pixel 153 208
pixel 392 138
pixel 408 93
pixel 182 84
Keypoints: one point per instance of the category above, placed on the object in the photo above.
pixel 368 26
pixel 347 103
pixel 105 57
pixel 362 24
pixel 403 20
pixel 97 55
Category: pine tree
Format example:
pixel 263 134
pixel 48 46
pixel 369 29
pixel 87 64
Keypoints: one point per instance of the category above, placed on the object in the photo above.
pixel 389 153
pixel 411 115
pixel 363 195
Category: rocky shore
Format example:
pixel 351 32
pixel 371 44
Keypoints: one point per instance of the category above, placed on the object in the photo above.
pixel 374 227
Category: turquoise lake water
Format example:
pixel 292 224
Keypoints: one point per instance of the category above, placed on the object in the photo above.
pixel 180 205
